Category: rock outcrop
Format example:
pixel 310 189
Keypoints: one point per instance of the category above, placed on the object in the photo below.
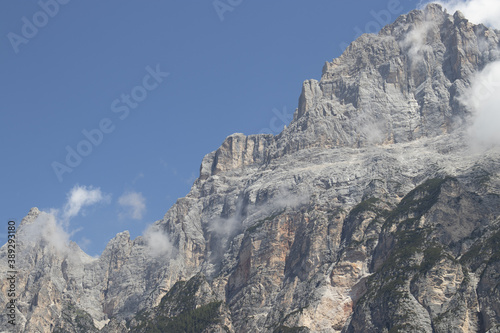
pixel 368 213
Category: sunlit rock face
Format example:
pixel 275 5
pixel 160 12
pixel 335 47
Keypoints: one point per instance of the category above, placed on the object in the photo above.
pixel 368 213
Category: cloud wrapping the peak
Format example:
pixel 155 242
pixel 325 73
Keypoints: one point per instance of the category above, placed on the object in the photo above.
pixel 51 227
pixel 81 196
pixel 134 205
pixel 47 228
pixel 483 97
pixel 477 11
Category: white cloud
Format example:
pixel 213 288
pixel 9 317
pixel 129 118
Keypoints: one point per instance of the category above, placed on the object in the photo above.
pixel 46 228
pixel 415 42
pixel 282 199
pixel 157 242
pixel 477 11
pixel 483 97
pixel 134 205
pixel 226 226
pixel 52 227
pixel 79 197
pixel 287 199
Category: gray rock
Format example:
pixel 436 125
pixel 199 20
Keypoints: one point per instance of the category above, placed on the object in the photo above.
pixel 368 213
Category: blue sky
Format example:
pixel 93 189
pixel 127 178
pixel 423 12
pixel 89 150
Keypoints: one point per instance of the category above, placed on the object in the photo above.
pixel 101 67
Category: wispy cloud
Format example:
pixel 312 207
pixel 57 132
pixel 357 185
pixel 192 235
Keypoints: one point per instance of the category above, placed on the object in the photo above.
pixel 80 197
pixel 48 229
pixel 483 97
pixel 133 205
pixel 477 11
pixel 370 129
pixel 227 225
pixel 157 242
pixel 51 227
pixel 415 42
pixel 283 198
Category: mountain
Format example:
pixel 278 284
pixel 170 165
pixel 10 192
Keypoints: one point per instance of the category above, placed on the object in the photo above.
pixel 370 212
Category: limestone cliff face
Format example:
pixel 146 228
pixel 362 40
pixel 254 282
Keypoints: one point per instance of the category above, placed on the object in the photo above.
pixel 368 213
pixel 400 85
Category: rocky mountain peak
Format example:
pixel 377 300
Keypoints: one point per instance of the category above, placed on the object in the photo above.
pixel 368 213
pixel 400 85
pixel 31 217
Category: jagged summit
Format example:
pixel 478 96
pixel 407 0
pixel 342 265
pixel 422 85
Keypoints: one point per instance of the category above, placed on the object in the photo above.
pixel 406 85
pixel 31 217
pixel 368 213
pixel 397 86
pixel 403 84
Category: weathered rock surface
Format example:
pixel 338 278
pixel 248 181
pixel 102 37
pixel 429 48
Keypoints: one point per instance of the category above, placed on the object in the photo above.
pixel 368 213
